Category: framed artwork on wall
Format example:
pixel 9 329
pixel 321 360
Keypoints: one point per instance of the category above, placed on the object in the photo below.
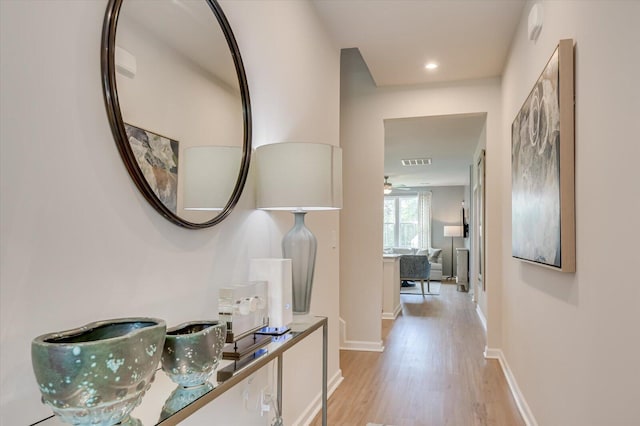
pixel 542 168
pixel 157 157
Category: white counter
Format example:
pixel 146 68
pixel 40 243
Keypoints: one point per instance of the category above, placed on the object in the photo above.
pixel 391 286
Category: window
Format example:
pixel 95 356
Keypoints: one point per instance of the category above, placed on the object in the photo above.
pixel 407 220
pixel 400 220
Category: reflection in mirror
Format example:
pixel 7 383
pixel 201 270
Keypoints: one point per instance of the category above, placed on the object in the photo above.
pixel 178 87
pixel 209 176
pixel 181 397
pixel 157 157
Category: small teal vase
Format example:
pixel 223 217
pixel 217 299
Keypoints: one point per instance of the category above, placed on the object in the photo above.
pixel 192 351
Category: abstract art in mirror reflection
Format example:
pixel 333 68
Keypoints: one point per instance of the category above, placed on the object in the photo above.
pixel 157 157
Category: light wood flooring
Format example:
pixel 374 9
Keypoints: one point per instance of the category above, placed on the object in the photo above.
pixel 432 371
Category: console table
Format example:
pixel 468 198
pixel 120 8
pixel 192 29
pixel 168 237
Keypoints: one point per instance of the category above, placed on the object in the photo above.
pixel 149 411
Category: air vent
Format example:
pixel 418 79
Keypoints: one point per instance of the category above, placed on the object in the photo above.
pixel 416 162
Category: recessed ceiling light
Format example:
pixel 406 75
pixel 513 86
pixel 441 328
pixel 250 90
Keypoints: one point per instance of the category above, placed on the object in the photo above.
pixel 431 66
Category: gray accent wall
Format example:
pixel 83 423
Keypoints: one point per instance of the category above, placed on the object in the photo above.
pixel 446 209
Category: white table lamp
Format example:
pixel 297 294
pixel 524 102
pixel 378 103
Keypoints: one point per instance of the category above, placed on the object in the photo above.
pixel 209 176
pixel 299 177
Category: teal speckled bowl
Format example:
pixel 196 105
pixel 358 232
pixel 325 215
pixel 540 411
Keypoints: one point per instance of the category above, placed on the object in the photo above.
pixel 192 351
pixel 96 374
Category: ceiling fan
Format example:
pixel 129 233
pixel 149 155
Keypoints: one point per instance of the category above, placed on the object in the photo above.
pixel 388 187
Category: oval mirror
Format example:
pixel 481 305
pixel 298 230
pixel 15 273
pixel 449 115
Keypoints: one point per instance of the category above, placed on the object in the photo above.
pixel 178 103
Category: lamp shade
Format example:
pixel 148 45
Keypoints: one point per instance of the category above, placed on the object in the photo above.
pixel 453 231
pixel 209 176
pixel 299 176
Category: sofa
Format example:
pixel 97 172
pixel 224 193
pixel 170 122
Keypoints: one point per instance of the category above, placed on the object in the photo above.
pixel 435 258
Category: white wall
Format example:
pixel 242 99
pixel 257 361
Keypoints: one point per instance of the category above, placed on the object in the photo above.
pixel 363 109
pixel 294 80
pixel 79 243
pixel 572 340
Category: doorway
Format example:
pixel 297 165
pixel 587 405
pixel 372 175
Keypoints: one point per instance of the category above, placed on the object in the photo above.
pixel 433 158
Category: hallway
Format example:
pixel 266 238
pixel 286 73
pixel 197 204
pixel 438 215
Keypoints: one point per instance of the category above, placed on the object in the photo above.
pixel 432 371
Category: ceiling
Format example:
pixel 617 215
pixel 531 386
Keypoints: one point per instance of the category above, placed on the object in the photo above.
pixel 469 39
pixel 449 140
pixel 187 28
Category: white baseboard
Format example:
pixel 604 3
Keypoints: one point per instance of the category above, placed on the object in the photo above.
pixel 492 353
pixel 314 408
pixel 523 407
pixel 483 320
pixel 392 315
pixel 356 345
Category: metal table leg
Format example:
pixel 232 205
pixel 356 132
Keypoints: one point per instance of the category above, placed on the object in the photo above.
pixel 280 385
pixel 324 373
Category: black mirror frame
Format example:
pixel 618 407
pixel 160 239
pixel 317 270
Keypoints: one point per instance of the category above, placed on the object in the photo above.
pixel 107 59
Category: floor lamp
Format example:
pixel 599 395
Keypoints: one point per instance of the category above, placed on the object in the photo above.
pixel 453 232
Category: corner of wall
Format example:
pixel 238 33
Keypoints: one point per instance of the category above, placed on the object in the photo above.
pixel 357 345
pixel 521 403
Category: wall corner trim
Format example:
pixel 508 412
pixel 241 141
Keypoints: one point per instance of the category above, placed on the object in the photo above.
pixel 523 407
pixel 315 406
pixel 357 345
pixel 392 315
pixel 483 320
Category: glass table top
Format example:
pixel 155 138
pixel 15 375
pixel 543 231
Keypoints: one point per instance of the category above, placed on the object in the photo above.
pixel 166 403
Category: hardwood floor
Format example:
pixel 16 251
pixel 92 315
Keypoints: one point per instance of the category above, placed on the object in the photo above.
pixel 432 371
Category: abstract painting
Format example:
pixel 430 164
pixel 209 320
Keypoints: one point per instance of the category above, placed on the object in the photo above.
pixel 542 168
pixel 157 157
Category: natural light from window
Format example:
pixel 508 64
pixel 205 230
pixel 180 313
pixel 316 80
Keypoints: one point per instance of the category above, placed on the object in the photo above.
pixel 400 221
pixel 407 220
